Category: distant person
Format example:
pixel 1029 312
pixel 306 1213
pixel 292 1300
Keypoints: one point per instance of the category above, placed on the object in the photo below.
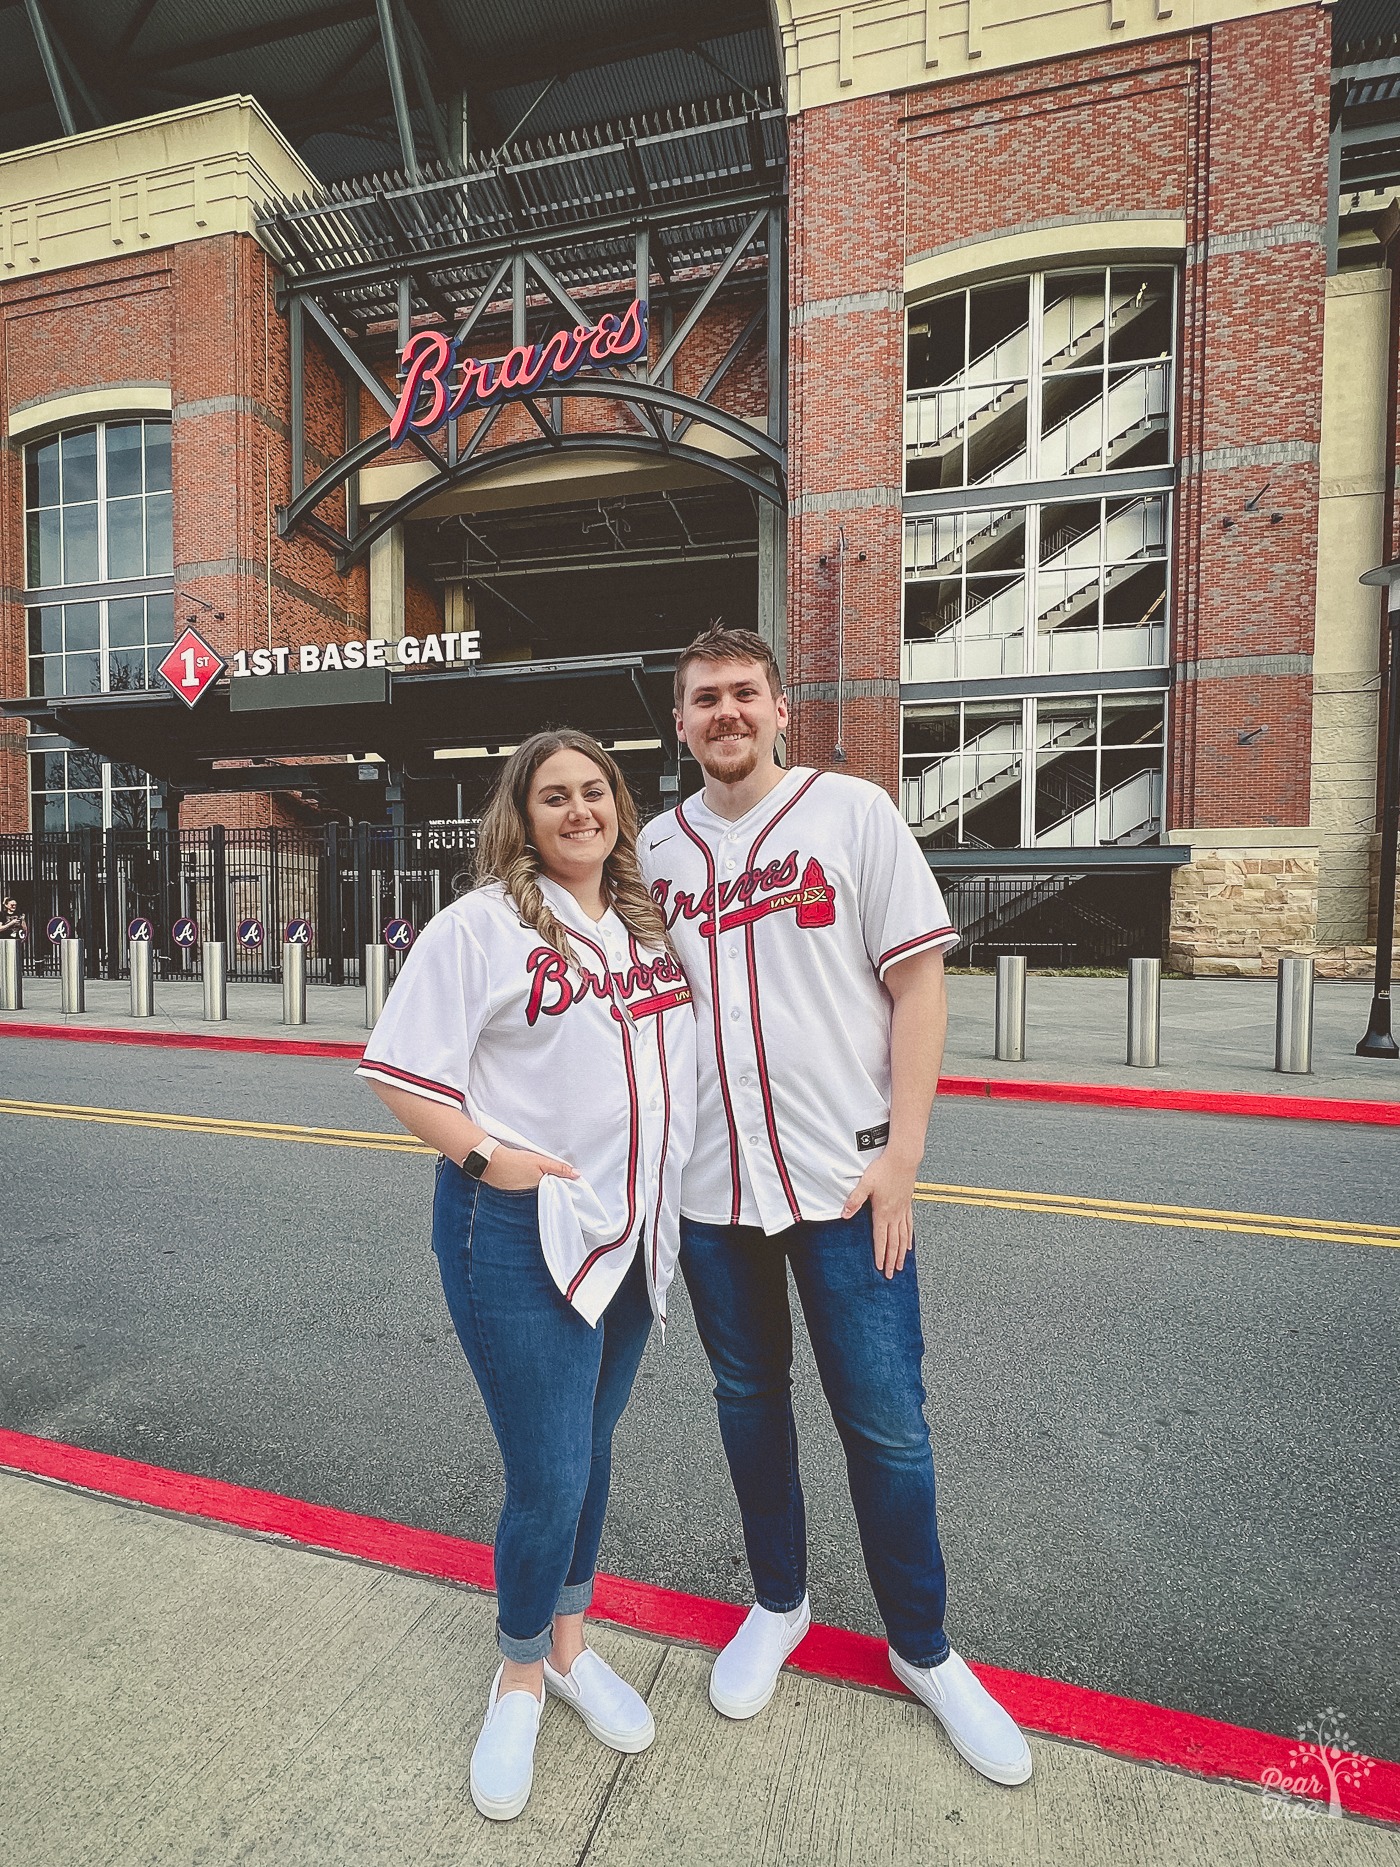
pixel 813 936
pixel 541 1037
pixel 13 924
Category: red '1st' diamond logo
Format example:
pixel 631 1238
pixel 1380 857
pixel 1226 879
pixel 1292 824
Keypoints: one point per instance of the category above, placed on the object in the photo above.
pixel 191 667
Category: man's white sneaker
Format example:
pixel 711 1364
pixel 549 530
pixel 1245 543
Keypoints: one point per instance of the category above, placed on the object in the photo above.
pixel 745 1675
pixel 979 1730
pixel 503 1763
pixel 615 1714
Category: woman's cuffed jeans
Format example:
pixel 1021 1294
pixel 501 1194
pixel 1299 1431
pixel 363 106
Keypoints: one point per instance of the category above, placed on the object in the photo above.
pixel 868 1342
pixel 554 1390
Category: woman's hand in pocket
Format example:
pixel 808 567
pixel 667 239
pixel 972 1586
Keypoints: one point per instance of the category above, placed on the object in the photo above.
pixel 517 1170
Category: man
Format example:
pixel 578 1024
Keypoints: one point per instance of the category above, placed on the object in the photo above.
pixel 813 937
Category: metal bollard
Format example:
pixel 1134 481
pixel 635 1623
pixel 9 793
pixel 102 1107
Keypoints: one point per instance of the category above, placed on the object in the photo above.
pixel 1011 1008
pixel 70 965
pixel 293 982
pixel 1144 1013
pixel 376 983
pixel 1294 1030
pixel 11 975
pixel 215 968
pixel 142 962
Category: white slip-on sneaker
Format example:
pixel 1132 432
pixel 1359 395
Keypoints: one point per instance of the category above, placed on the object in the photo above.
pixel 745 1675
pixel 617 1715
pixel 503 1763
pixel 979 1730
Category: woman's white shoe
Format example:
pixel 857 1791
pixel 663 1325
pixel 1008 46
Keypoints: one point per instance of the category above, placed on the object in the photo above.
pixel 503 1763
pixel 978 1728
pixel 745 1676
pixel 615 1713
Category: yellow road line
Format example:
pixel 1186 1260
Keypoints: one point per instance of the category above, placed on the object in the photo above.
pixel 1201 1219
pixel 1000 1199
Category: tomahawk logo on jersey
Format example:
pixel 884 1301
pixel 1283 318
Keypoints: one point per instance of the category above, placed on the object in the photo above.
pixel 786 921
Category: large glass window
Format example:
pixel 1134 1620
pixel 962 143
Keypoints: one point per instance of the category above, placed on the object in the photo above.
pixel 1063 772
pixel 98 525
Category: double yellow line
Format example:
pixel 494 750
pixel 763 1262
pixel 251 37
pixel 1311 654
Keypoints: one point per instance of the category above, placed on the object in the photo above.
pixel 998 1199
pixel 1140 1212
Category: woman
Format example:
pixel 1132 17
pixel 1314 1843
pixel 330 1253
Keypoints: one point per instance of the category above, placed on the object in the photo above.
pixel 541 1038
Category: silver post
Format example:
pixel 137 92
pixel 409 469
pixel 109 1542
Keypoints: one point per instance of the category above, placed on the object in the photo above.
pixel 70 965
pixel 1011 1008
pixel 293 982
pixel 376 983
pixel 11 975
pixel 1144 1013
pixel 141 959
pixel 1294 1030
pixel 215 968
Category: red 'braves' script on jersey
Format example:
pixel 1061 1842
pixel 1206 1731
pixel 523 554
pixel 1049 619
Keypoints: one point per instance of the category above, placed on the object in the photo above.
pixel 552 991
pixel 787 920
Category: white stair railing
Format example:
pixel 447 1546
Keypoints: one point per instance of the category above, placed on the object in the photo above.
pixel 1127 812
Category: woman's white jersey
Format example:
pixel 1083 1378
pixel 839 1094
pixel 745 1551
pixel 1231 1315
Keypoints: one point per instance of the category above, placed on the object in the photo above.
pixel 591 1063
pixel 786 921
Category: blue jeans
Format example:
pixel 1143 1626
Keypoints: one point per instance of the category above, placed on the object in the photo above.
pixel 868 1342
pixel 554 1390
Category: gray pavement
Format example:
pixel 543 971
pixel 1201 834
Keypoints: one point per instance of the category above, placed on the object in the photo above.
pixel 1166 1455
pixel 1217 1034
pixel 179 1693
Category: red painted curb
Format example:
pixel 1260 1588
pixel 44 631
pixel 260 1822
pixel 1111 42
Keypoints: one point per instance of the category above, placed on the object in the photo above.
pixel 1127 1727
pixel 185 1040
pixel 1281 1107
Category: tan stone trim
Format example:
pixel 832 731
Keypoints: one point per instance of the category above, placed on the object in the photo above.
pixel 183 175
pixel 80 406
pixel 1028 248
pixel 1256 840
pixel 833 52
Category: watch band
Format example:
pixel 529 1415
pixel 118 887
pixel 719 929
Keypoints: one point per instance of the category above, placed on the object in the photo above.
pixel 476 1162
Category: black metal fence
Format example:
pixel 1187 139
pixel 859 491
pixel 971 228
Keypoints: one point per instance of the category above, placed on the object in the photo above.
pixel 1081 919
pixel 234 885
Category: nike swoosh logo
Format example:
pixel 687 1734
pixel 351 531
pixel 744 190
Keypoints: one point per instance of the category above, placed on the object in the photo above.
pixel 660 840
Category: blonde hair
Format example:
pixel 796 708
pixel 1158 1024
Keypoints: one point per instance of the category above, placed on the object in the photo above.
pixel 504 853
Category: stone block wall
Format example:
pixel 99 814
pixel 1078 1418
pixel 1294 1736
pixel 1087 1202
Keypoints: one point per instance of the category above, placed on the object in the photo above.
pixel 1235 910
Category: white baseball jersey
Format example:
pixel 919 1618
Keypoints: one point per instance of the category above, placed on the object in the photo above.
pixel 593 1064
pixel 786 921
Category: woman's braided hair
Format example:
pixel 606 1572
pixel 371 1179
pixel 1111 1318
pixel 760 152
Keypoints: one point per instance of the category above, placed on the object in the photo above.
pixel 504 853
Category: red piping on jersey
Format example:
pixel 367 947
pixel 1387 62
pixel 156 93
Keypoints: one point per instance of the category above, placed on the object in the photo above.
pixel 713 886
pixel 633 1133
pixel 760 1055
pixel 679 997
pixel 407 1077
pixel 908 946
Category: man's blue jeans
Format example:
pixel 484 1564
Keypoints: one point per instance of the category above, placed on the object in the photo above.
pixel 554 1390
pixel 868 1342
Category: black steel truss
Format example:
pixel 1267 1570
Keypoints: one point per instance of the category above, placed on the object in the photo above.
pixel 363 270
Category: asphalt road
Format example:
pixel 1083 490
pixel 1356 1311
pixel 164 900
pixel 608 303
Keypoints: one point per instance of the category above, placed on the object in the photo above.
pixel 1167 1455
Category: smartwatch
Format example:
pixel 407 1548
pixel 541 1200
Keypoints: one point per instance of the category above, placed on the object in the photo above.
pixel 476 1162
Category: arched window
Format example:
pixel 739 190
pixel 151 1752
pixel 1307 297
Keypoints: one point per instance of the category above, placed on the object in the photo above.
pixel 98 577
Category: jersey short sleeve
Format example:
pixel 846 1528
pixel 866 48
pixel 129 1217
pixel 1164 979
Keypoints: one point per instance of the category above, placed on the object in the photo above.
pixel 902 910
pixel 434 1015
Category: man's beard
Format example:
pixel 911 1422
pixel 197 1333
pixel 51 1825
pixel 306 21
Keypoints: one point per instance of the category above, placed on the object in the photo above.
pixel 731 770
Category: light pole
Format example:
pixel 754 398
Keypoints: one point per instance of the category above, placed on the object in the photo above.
pixel 1378 1041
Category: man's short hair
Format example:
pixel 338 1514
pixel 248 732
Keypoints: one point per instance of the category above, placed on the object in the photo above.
pixel 720 644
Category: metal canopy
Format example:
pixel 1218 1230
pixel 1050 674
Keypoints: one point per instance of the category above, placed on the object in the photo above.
pixel 614 696
pixel 679 210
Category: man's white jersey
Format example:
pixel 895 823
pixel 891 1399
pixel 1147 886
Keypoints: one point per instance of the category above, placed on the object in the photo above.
pixel 593 1064
pixel 786 921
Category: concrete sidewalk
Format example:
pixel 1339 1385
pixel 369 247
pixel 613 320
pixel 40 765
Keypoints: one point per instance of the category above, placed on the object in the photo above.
pixel 177 1692
pixel 1217 1034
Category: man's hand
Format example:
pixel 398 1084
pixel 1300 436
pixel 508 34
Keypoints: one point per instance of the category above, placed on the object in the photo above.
pixel 888 1183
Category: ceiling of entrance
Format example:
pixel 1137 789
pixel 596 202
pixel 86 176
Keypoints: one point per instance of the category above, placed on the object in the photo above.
pixel 519 67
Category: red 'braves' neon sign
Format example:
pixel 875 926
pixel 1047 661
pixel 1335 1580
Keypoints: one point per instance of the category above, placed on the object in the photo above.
pixel 429 361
